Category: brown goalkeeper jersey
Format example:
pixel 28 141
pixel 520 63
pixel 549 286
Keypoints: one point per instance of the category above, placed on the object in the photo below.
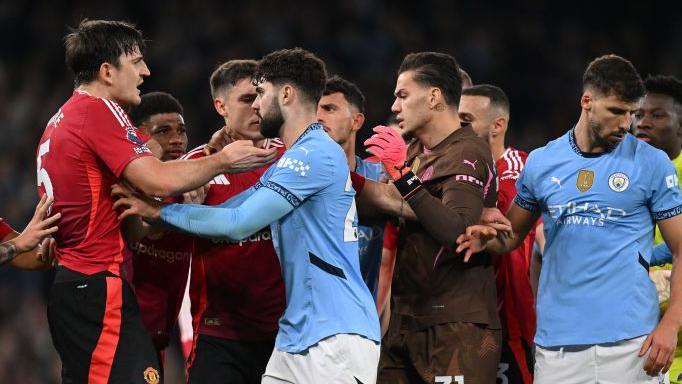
pixel 432 284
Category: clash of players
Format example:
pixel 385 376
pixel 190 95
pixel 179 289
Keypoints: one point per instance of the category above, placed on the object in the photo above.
pixel 445 256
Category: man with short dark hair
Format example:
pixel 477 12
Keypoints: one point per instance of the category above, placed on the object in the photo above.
pixel 599 191
pixel 444 324
pixel 236 287
pixel 658 121
pixel 486 108
pixel 330 329
pixel 161 259
pixel 87 146
pixel 341 111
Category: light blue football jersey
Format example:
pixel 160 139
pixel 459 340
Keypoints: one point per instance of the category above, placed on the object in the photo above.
pixel 371 232
pixel 598 212
pixel 317 244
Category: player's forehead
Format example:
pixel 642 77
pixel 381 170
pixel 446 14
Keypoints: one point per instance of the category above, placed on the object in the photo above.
pixel 336 98
pixel 134 54
pixel 406 82
pixel 263 85
pixel 473 104
pixel 651 101
pixel 170 119
pixel 243 87
pixel 615 101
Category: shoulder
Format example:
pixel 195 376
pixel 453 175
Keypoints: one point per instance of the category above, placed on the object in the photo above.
pixel 648 153
pixel 195 153
pixel 106 110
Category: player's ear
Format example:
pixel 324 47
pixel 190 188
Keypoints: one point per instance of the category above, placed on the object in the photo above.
pixel 435 98
pixel 105 73
pixel 287 94
pixel 358 121
pixel 499 126
pixel 586 100
pixel 219 105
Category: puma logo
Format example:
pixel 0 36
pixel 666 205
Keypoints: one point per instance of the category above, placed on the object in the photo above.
pixel 556 181
pixel 304 149
pixel 473 165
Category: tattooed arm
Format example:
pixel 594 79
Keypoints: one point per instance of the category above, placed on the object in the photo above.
pixel 37 229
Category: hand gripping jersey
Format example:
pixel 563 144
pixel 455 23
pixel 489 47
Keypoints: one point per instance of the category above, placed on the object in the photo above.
pixel 236 287
pixel 83 151
pixel 598 212
pixel 160 270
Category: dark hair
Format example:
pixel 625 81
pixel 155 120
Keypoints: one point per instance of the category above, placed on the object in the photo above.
pixel 437 70
pixel 349 90
pixel 614 75
pixel 495 94
pixel 665 85
pixel 95 42
pixel 153 103
pixel 230 73
pixel 301 68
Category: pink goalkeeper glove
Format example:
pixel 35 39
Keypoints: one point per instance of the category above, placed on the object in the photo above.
pixel 387 145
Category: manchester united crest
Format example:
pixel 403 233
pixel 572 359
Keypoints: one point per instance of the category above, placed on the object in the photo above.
pixel 151 376
pixel 585 180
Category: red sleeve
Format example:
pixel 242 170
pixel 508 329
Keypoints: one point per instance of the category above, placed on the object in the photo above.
pixel 506 194
pixel 112 137
pixel 391 236
pixel 4 229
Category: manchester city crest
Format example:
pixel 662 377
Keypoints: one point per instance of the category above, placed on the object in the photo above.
pixel 619 182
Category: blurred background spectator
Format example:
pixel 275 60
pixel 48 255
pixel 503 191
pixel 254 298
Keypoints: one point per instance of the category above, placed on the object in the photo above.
pixel 534 50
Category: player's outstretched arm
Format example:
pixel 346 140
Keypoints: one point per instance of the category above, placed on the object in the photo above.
pixel 379 199
pixel 661 343
pixel 477 238
pixel 23 250
pixel 257 211
pixel 170 178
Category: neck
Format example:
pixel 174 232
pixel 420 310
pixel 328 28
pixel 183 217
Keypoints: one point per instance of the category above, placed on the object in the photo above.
pixel 497 148
pixel 294 126
pixel 440 127
pixel 674 152
pixel 583 136
pixel 238 136
pixel 349 150
pixel 96 89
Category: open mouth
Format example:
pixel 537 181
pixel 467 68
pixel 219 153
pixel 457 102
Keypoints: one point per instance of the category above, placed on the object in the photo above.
pixel 643 137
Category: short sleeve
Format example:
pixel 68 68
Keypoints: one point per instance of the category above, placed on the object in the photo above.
pixel 526 197
pixel 111 136
pixel 4 229
pixel 299 174
pixel 665 200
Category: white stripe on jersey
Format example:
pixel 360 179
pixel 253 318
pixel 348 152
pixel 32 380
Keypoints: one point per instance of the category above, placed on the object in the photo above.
pixel 113 110
pixel 220 180
pixel 519 159
pixel 199 149
pixel 122 113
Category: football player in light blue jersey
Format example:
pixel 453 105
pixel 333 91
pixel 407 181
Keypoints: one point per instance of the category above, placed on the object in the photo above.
pixel 330 329
pixel 600 191
pixel 341 112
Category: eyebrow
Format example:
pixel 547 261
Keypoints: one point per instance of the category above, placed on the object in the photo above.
pixel 248 96
pixel 260 90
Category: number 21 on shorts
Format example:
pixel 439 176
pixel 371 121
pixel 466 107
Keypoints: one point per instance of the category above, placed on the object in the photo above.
pixel 459 379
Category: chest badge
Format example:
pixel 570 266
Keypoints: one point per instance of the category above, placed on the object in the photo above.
pixel 619 182
pixel 585 180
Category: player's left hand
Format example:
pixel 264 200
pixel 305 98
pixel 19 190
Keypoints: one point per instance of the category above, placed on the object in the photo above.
pixel 474 240
pixel 660 345
pixel 390 148
pixel 196 196
pixel 47 251
pixel 130 203
pixel 493 217
pixel 218 141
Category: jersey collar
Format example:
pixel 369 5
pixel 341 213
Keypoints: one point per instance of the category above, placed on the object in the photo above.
pixel 311 127
pixel 576 149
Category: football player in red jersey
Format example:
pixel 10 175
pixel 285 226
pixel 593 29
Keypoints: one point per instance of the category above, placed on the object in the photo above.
pixel 161 260
pixel 486 108
pixel 87 146
pixel 236 288
pixel 32 248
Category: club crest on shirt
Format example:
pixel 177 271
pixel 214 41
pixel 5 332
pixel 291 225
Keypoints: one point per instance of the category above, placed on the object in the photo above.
pixel 619 182
pixel 151 376
pixel 585 180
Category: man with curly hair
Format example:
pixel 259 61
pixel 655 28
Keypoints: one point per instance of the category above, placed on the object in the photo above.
pixel 330 329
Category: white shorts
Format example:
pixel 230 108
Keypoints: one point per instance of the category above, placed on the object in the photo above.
pixel 342 359
pixel 612 363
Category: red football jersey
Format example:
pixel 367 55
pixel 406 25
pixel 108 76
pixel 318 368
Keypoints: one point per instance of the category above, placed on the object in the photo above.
pixel 160 272
pixel 4 229
pixel 83 151
pixel 515 300
pixel 236 287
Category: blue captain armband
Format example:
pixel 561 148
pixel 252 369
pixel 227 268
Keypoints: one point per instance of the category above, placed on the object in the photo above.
pixel 525 204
